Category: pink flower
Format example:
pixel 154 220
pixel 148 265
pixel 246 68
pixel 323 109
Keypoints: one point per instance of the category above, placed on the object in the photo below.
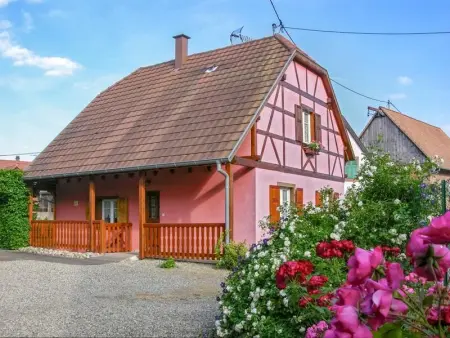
pixel 438 232
pixel 317 331
pixel 431 261
pixel 348 296
pixel 346 324
pixel 362 265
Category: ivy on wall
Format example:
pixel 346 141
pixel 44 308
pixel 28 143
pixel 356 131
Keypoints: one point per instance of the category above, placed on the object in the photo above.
pixel 14 198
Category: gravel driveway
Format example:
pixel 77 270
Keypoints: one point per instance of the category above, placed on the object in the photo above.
pixel 41 298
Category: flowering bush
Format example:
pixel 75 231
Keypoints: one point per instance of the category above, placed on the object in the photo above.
pixel 378 300
pixel 286 282
pixel 315 146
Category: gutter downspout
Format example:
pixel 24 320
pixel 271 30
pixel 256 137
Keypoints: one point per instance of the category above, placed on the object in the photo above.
pixel 227 201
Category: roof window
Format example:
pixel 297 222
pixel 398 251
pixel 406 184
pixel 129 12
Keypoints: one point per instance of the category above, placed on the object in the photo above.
pixel 211 69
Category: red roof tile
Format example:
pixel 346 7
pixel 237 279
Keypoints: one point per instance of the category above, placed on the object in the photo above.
pixel 13 164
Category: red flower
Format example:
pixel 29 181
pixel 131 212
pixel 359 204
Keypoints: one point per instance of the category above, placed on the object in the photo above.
pixel 334 248
pixel 325 300
pixel 293 270
pixel 395 251
pixel 304 301
pixel 317 281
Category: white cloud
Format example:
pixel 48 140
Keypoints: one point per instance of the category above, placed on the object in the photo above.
pixel 4 3
pixel 53 65
pixel 404 80
pixel 397 96
pixel 5 24
pixel 28 23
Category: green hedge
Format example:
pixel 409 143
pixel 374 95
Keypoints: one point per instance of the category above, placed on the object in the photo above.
pixel 14 197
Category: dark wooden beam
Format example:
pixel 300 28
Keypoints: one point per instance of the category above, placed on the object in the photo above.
pixel 287 85
pixel 253 150
pixel 270 166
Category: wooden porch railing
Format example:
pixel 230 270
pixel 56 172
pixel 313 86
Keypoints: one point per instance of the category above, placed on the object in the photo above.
pixel 75 235
pixel 181 241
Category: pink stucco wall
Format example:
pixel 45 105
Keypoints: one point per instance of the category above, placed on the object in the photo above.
pixel 196 197
pixel 273 124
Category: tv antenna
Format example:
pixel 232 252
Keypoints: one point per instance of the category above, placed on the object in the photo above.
pixel 237 34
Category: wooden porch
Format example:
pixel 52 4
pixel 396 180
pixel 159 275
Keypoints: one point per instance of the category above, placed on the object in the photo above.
pixel 77 236
pixel 99 232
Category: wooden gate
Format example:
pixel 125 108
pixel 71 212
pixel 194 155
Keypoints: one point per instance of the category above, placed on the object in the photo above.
pixel 181 241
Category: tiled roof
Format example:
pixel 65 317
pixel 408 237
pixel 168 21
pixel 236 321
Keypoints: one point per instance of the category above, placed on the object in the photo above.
pixel 158 115
pixel 13 164
pixel 431 140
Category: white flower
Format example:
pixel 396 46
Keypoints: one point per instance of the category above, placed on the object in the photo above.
pixel 286 302
pixel 373 168
pixel 282 236
pixel 238 327
pixel 393 231
pixel 389 164
pixel 256 267
pixel 307 254
pixel 402 237
pixel 247 254
pixel 360 204
pixel 291 228
pixel 397 201
pixel 217 323
pixel 254 310
pixel 249 317
pixel 402 256
pixel 287 242
pixel 302 329
pixel 360 178
pixel 256 275
pixel 283 293
pixel 229 288
pixel 335 236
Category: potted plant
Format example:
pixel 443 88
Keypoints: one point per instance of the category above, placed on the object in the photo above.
pixel 313 148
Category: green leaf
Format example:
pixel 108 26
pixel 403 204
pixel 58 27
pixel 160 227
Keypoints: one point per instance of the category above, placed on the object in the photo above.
pixel 428 301
pixel 391 330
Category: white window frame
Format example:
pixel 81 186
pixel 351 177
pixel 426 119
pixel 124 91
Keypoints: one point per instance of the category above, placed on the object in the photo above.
pixel 306 125
pixel 285 192
pixel 111 202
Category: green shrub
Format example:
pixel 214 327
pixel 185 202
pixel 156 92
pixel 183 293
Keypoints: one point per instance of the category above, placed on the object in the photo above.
pixel 168 263
pixel 228 254
pixel 391 200
pixel 14 198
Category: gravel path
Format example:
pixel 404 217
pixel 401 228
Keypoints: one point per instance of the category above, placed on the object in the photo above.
pixel 45 299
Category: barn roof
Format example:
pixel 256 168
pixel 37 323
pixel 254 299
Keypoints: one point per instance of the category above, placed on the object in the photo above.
pixel 431 140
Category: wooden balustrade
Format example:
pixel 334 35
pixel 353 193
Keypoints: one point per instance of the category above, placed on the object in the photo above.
pixel 75 236
pixel 181 241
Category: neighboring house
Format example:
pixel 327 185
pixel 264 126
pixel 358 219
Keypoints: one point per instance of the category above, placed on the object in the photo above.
pixel 359 150
pixel 14 164
pixel 406 138
pixel 160 149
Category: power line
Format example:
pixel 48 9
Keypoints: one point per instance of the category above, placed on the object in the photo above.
pixel 367 33
pixel 358 93
pixel 285 29
pixel 5 155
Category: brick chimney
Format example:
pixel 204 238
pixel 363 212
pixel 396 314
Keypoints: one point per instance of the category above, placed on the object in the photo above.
pixel 181 49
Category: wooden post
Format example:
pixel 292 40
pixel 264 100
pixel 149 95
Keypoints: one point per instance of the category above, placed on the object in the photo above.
pixel 253 142
pixel 92 212
pixel 228 168
pixel 141 193
pixel 102 236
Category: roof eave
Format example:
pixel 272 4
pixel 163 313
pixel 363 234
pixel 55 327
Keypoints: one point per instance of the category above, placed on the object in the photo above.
pixel 127 169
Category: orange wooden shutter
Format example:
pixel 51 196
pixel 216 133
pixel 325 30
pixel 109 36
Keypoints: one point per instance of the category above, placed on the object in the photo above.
pixel 336 196
pixel 298 124
pixel 312 127
pixel 299 198
pixel 318 199
pixel 318 129
pixel 122 210
pixel 274 203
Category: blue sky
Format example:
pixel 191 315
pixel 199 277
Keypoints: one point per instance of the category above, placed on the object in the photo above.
pixel 56 55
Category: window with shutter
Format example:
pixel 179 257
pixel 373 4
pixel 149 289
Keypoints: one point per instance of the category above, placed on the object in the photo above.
pixel 274 202
pixel 307 128
pixel 351 169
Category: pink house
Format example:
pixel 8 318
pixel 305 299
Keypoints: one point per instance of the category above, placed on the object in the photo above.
pixel 169 157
